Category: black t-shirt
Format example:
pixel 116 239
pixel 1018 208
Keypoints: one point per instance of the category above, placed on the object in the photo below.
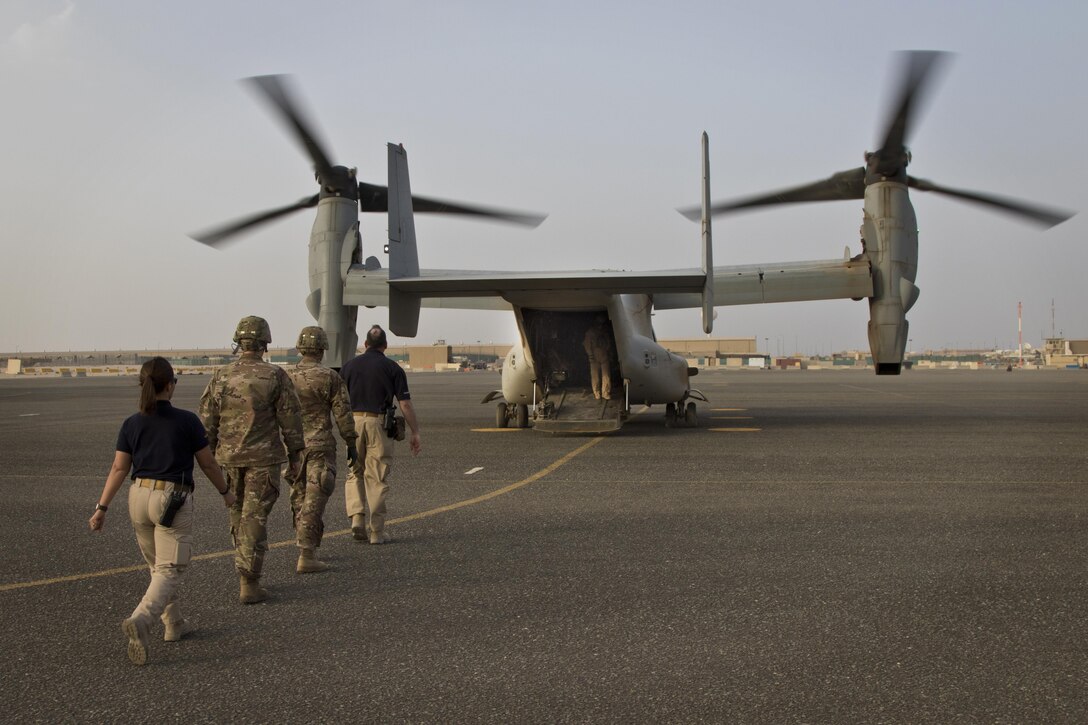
pixel 373 381
pixel 162 445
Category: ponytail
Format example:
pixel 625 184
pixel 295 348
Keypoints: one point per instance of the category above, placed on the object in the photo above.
pixel 155 375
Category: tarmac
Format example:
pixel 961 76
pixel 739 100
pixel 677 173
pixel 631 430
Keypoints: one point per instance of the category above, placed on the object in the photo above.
pixel 827 547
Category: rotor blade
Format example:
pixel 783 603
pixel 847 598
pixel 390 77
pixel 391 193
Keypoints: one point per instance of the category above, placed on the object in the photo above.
pixel 842 186
pixel 917 69
pixel 1038 214
pixel 277 92
pixel 215 237
pixel 376 198
pixel 438 206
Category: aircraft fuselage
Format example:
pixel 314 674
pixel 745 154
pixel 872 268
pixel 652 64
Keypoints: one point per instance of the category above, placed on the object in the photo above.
pixel 549 353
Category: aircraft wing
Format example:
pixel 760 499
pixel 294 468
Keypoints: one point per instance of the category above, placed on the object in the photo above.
pixel 457 289
pixel 671 289
pixel 467 303
pixel 615 282
pixel 753 284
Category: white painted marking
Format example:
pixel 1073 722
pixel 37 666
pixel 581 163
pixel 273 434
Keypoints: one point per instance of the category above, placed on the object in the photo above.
pixel 471 471
pixel 28 415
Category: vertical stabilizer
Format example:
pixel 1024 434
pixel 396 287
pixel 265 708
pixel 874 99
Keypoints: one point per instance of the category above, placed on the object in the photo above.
pixel 708 247
pixel 403 258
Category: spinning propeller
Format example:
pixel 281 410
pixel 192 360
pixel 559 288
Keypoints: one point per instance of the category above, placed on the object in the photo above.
pixel 336 180
pixel 889 162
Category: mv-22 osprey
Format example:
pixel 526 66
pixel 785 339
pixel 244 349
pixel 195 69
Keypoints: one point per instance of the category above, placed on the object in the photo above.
pixel 545 375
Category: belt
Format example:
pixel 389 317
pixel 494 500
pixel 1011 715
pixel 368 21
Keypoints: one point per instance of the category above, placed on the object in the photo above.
pixel 367 414
pixel 159 485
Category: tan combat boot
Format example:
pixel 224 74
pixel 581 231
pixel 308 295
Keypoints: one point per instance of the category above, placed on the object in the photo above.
pixel 358 527
pixel 176 630
pixel 136 630
pixel 308 563
pixel 251 591
pixel 175 625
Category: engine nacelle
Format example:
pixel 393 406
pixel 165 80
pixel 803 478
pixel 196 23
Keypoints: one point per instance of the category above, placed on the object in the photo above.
pixel 890 238
pixel 334 243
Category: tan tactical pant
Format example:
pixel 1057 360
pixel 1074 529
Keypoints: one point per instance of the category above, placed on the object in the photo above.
pixel 167 551
pixel 256 489
pixel 309 494
pixel 376 453
pixel 600 373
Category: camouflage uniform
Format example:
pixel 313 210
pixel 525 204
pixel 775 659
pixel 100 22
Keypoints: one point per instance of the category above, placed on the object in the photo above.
pixel 320 390
pixel 246 408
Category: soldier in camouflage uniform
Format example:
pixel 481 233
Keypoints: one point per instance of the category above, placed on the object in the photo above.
pixel 251 413
pixel 320 390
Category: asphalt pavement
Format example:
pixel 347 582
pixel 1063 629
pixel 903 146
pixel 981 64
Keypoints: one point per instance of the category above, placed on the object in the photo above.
pixel 827 547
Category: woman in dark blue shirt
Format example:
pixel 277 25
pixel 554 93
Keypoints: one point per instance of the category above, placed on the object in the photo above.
pixel 158 445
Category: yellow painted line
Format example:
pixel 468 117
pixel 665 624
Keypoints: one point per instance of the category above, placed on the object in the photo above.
pixel 499 491
pixel 291 542
pixel 73 577
pixel 735 430
pixel 728 410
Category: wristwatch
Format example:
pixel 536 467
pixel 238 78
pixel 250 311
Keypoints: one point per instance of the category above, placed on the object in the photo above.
pixel 100 507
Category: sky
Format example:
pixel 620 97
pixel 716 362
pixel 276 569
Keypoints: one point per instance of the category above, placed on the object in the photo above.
pixel 124 129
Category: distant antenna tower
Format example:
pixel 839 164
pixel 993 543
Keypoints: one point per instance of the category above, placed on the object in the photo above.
pixel 1020 331
pixel 1052 317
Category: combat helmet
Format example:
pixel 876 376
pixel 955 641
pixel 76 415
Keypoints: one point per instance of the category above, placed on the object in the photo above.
pixel 253 328
pixel 312 338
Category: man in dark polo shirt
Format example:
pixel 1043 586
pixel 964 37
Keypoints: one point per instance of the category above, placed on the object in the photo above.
pixel 373 382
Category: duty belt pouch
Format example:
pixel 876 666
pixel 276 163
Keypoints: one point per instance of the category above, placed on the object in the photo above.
pixel 173 505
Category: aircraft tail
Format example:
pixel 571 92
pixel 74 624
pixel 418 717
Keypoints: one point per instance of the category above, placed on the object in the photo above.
pixel 403 257
pixel 708 247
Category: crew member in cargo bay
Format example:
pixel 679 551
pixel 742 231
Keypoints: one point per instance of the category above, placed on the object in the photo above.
pixel 254 425
pixel 598 346
pixel 373 382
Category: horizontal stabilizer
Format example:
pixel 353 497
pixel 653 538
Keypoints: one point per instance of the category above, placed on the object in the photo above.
pixel 671 289
pixel 754 284
pixel 500 283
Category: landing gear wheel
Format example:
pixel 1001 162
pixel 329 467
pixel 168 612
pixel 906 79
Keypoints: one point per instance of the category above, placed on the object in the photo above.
pixel 502 415
pixel 670 415
pixel 522 414
pixel 691 419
